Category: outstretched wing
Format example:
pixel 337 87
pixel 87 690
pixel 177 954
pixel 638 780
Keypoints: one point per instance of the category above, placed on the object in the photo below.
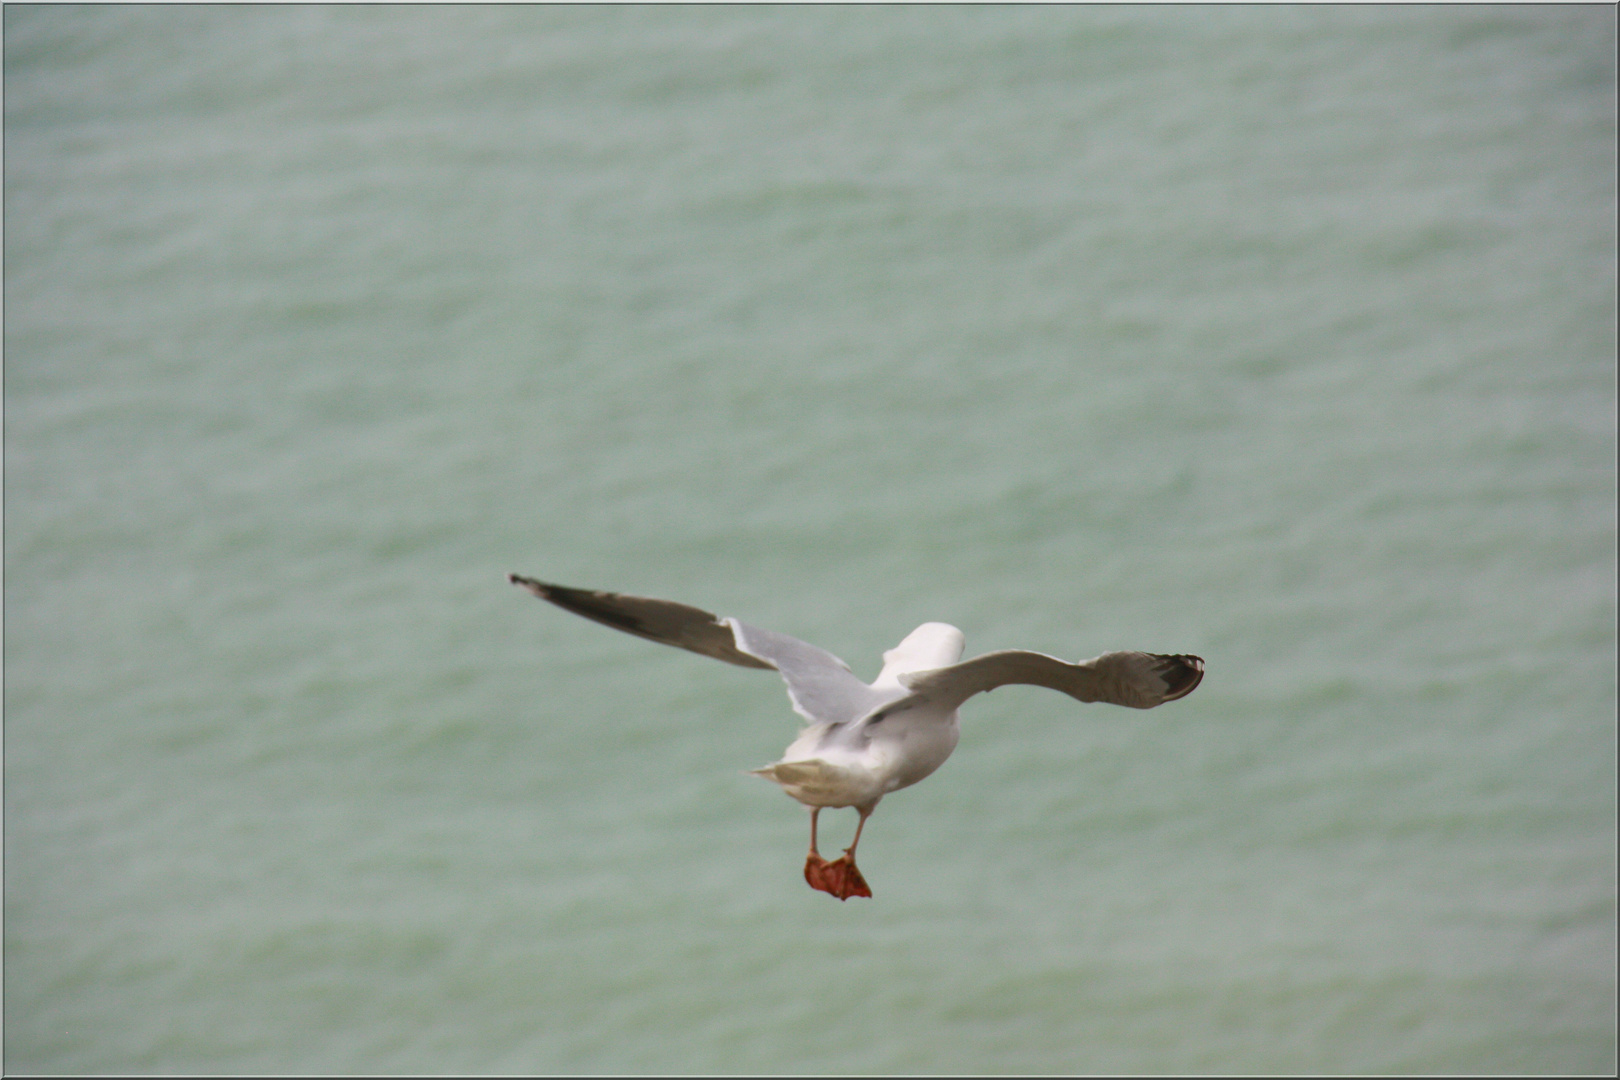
pixel 819 684
pixel 663 621
pixel 1137 679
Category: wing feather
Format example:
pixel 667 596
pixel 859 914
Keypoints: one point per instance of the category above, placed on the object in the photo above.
pixel 663 621
pixel 819 685
pixel 1135 679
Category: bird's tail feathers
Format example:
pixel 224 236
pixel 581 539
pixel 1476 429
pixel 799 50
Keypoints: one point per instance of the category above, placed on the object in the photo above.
pixel 816 782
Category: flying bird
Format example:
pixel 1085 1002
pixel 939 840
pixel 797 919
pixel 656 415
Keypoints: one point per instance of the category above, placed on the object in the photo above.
pixel 862 741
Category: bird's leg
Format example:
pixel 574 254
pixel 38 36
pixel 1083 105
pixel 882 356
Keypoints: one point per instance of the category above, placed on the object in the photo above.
pixel 850 851
pixel 837 878
pixel 815 867
pixel 854 883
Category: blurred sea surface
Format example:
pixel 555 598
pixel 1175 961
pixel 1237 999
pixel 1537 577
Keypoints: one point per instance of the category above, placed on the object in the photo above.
pixel 1280 335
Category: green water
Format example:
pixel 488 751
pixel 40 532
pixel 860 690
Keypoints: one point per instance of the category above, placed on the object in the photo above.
pixel 1284 336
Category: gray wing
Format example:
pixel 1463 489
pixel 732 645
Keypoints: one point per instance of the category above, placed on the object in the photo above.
pixel 1137 679
pixel 819 684
pixel 663 621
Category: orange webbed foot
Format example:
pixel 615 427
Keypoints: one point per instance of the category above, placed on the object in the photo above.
pixel 838 878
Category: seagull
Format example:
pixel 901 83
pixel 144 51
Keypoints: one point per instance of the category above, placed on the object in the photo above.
pixel 862 741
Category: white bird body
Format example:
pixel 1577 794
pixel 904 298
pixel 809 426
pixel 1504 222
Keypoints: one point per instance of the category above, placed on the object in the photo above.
pixel 862 741
pixel 856 764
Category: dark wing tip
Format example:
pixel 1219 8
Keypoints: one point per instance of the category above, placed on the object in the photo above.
pixel 663 621
pixel 579 601
pixel 1181 674
pixel 608 608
